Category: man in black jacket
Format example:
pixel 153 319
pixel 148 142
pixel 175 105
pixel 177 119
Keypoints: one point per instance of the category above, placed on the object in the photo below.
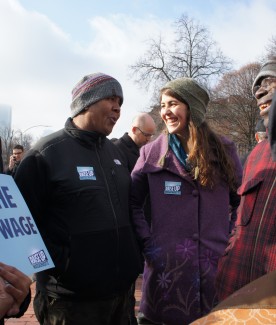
pixel 76 184
pixel 141 132
pixel 15 159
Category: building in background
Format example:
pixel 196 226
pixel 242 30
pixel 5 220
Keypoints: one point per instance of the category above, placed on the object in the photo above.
pixel 5 116
pixel 5 134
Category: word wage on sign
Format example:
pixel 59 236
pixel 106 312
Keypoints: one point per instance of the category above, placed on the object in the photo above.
pixel 11 227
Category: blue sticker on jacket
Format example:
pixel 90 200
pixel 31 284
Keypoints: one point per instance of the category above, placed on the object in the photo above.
pixel 173 188
pixel 86 173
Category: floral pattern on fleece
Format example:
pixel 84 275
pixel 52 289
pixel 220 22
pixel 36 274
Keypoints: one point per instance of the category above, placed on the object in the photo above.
pixel 169 277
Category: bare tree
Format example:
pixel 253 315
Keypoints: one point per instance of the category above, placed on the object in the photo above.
pixel 196 54
pixel 7 137
pixel 233 109
pixel 192 53
pixel 271 47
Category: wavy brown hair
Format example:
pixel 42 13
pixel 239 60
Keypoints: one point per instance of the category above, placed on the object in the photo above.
pixel 209 154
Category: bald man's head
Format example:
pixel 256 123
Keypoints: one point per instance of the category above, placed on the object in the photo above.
pixel 142 129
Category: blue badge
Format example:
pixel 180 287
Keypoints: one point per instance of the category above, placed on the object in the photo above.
pixel 173 188
pixel 86 173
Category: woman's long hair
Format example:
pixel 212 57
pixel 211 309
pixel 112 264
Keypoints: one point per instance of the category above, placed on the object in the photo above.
pixel 209 155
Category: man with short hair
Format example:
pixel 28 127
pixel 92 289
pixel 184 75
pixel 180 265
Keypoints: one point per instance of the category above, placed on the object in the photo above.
pixel 15 159
pixel 76 184
pixel 141 132
pixel 251 250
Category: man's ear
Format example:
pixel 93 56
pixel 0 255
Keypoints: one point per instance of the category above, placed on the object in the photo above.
pixel 257 137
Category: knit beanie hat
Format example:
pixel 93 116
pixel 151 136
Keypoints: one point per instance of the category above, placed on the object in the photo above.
pixel 268 69
pixel 194 94
pixel 92 88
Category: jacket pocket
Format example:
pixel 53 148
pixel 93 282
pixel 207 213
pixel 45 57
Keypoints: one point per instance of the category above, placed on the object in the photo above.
pixel 249 193
pixel 92 263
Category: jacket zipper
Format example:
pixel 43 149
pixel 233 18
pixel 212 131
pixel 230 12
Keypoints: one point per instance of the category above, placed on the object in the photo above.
pixel 259 229
pixel 112 207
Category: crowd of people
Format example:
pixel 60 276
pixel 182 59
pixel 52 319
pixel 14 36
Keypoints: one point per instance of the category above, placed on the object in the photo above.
pixel 178 207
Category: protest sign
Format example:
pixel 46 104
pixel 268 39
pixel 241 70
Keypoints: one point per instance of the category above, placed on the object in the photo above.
pixel 21 244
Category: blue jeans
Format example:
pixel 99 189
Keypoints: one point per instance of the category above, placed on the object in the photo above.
pixel 51 311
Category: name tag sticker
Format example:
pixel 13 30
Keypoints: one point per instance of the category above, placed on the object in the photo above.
pixel 86 173
pixel 172 188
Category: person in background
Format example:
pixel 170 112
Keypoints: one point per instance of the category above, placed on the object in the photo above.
pixel 15 159
pixel 191 175
pixel 260 131
pixel 76 184
pixel 260 135
pixel 141 132
pixel 15 294
pixel 251 249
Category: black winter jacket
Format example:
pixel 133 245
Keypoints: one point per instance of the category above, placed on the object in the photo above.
pixel 76 185
pixel 129 148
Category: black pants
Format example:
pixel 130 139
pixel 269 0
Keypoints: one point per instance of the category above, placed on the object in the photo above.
pixel 50 311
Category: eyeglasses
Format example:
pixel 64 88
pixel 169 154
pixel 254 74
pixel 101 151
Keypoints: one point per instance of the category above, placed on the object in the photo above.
pixel 147 135
pixel 266 84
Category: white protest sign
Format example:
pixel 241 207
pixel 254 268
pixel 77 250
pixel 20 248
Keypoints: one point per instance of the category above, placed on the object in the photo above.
pixel 21 244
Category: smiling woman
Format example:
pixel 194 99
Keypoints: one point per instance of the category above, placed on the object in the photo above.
pixel 190 175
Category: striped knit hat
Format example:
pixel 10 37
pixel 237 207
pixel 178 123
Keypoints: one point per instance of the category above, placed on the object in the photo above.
pixel 92 88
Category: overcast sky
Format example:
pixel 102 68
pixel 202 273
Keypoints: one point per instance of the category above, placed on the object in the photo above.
pixel 47 46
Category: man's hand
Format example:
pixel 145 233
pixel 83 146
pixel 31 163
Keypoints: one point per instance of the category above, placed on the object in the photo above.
pixel 6 300
pixel 13 289
pixel 12 162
